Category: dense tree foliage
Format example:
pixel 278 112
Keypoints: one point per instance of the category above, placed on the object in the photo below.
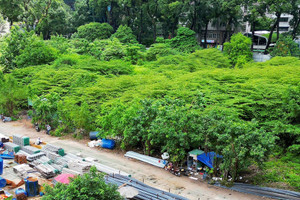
pixel 94 31
pixel 285 46
pixel 172 96
pixel 238 49
pixel 90 186
pixel 150 19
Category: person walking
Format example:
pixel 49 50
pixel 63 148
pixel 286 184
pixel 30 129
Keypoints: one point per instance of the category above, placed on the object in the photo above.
pixel 48 128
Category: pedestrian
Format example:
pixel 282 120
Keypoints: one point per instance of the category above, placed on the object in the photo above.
pixel 48 128
pixel 38 141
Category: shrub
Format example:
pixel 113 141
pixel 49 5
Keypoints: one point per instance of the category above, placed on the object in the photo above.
pixel 285 46
pixel 159 50
pixel 113 50
pixel 89 186
pixel 185 40
pixel 212 57
pixel 124 35
pixel 94 31
pixel 60 43
pixel 13 95
pixel 80 46
pixel 12 46
pixel 238 49
pixel 36 53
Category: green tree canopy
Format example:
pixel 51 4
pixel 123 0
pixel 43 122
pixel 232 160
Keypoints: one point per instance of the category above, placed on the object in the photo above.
pixel 124 34
pixel 13 95
pixel 285 46
pixel 94 31
pixel 89 186
pixel 238 49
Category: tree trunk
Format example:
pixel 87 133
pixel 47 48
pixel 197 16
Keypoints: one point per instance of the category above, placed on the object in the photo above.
pixel 252 31
pixel 272 30
pixel 278 29
pixel 226 32
pixel 154 30
pixel 295 29
pixel 205 35
pixel 141 26
pixel 235 168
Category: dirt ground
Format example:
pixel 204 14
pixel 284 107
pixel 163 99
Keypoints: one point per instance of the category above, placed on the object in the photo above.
pixel 153 176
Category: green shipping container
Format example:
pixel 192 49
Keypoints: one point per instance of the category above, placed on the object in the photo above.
pixel 26 141
pixel 16 149
pixel 61 152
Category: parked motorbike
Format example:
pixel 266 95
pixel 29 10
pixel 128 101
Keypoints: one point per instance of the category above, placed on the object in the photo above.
pixel 37 128
pixel 177 171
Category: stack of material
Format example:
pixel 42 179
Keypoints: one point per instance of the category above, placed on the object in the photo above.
pixel 41 160
pixel 108 170
pixel 31 150
pixel 21 159
pixel 46 170
pixel 79 166
pixel 21 140
pixel 147 159
pixel 61 161
pixel 23 153
pixel 69 171
pixel 22 170
pixel 145 192
pixel 59 168
pixel 54 149
pixel 35 156
pixel 71 156
pixel 11 147
pixel 51 155
pixel 4 138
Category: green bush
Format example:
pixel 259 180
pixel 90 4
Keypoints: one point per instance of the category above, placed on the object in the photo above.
pixel 185 40
pixel 94 31
pixel 238 49
pixel 36 53
pixel 60 43
pixel 159 50
pixel 85 187
pixel 114 50
pixel 124 35
pixel 285 46
pixel 13 95
pixel 80 46
pixel 212 57
pixel 13 45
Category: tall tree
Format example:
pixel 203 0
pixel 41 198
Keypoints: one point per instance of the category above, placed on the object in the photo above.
pixel 255 10
pixel 153 11
pixel 295 22
pixel 171 12
pixel 230 15
pixel 11 10
pixel 277 7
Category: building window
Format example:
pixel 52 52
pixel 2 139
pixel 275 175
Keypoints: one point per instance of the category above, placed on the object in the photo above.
pixel 283 19
pixel 283 28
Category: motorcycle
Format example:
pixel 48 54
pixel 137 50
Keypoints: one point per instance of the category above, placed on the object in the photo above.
pixel 37 128
pixel 177 171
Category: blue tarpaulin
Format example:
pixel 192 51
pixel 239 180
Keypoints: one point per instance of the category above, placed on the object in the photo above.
pixel 208 158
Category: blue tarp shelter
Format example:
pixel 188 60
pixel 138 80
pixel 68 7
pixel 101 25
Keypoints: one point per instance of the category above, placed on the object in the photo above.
pixel 208 158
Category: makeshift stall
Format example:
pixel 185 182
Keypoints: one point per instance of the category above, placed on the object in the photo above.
pixel 192 162
pixel 208 158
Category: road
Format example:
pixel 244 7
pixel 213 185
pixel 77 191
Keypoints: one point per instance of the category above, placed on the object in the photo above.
pixel 153 176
